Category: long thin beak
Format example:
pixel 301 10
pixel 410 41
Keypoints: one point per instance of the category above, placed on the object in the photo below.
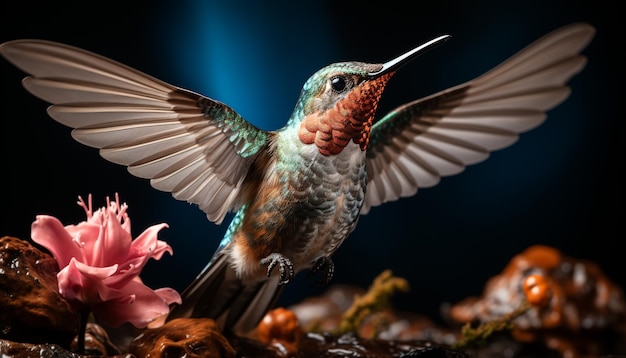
pixel 401 60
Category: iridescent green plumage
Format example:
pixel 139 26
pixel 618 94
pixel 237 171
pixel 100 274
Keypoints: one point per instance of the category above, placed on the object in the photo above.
pixel 247 138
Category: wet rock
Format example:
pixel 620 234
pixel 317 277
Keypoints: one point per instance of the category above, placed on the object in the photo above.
pixel 32 311
pixel 584 313
pixel 29 350
pixel 576 311
pixel 316 345
pixel 183 337
pixel 324 313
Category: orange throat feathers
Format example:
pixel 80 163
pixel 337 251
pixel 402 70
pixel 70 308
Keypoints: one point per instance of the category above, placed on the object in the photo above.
pixel 350 119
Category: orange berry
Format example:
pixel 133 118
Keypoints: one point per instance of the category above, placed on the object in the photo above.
pixel 279 324
pixel 537 290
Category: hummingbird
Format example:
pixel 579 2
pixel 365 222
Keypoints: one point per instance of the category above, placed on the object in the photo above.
pixel 297 192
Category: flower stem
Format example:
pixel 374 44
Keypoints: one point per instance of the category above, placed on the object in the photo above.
pixel 84 317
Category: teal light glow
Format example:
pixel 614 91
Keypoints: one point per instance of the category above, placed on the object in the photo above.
pixel 239 53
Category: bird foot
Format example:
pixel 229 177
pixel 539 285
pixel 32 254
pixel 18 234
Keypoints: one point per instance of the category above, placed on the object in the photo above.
pixel 285 267
pixel 326 266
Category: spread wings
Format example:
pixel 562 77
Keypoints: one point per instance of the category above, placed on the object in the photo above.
pixel 201 150
pixel 418 143
pixel 197 148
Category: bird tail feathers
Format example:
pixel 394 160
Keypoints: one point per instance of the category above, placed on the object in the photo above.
pixel 218 293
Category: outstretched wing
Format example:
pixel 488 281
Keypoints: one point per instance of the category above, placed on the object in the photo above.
pixel 418 143
pixel 198 149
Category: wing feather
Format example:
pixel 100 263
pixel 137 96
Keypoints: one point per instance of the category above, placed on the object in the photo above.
pixel 198 149
pixel 440 134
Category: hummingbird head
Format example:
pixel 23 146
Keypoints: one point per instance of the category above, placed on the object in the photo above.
pixel 337 104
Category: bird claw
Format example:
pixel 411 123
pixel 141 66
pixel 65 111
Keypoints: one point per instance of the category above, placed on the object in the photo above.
pixel 285 267
pixel 326 265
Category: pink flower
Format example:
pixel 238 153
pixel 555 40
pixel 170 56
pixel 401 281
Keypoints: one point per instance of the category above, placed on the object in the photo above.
pixel 100 264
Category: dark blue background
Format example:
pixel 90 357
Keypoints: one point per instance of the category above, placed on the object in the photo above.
pixel 560 185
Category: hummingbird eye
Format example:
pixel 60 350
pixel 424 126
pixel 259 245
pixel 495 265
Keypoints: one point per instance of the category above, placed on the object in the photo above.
pixel 338 83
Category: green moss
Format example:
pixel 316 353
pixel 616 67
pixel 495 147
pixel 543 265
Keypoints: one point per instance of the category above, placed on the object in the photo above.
pixel 477 337
pixel 376 299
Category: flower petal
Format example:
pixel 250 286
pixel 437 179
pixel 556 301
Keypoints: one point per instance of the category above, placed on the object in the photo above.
pixel 71 283
pixel 170 295
pixel 147 243
pixel 83 283
pixel 143 248
pixel 128 271
pixel 48 232
pixel 113 243
pixel 140 306
pixel 96 273
pixel 85 235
